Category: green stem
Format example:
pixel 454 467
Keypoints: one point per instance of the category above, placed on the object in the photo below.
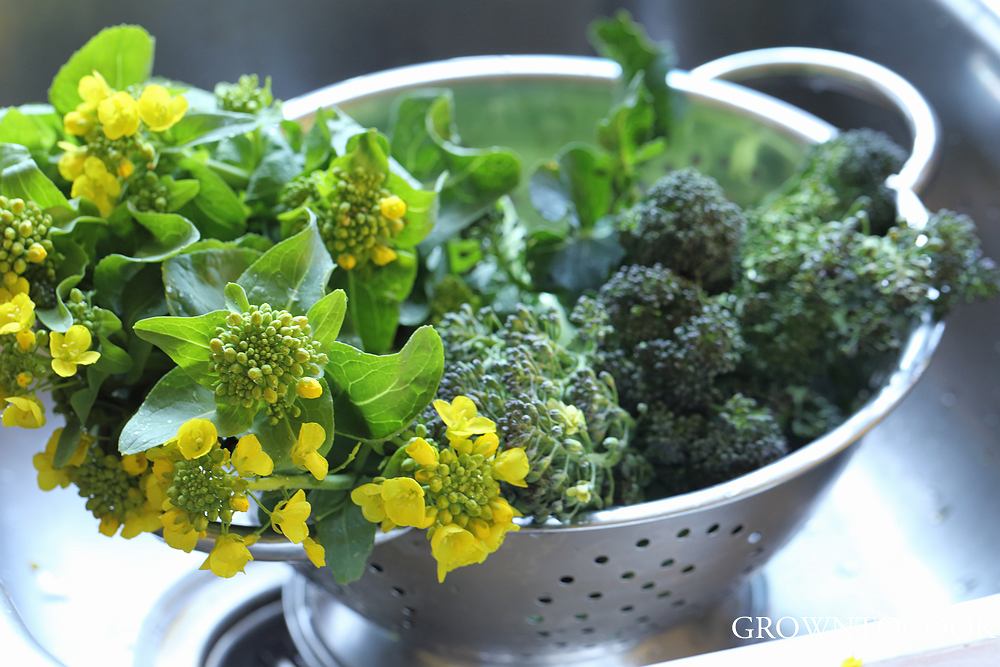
pixel 278 482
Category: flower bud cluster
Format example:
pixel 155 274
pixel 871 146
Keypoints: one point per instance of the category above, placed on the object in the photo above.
pixel 362 219
pixel 460 486
pixel 110 491
pixel 204 488
pixel 261 355
pixel 246 95
pixel 148 193
pixel 25 245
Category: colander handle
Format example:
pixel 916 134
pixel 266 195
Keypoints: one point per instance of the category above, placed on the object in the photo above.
pixel 859 72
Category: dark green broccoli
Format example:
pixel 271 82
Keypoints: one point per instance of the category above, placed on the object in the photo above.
pixel 685 223
pixel 549 400
pixel 840 176
pixel 699 449
pixel 646 302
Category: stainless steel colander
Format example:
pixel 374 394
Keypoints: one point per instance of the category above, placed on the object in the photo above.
pixel 559 594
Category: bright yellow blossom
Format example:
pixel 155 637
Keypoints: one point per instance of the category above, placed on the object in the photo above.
pixel 289 517
pixel 512 466
pixel 143 519
pixel 178 531
pixel 240 503
pixel 119 115
pixel 250 459
pixel 851 662
pixel 71 349
pixel 229 556
pixel 36 253
pixel 196 437
pixel 12 286
pixel 453 547
pixel 403 498
pixel 24 411
pixel 26 340
pixel 97 184
pixel 314 552
pixel 392 207
pixel 49 477
pixel 108 526
pixel 462 419
pixel 126 168
pixel 304 453
pixel 17 315
pixel 309 388
pixel 383 254
pixel 369 498
pixel 160 110
pixel 420 451
pixel 78 123
pixel 135 464
pixel 93 89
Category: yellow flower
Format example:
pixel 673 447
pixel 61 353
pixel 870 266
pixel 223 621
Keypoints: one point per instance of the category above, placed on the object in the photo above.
pixel 229 556
pixel 250 459
pixel 315 552
pixel 404 502
pixel 119 115
pixel 178 531
pixel 49 477
pixel 109 525
pixel 462 419
pixel 71 349
pixel 97 184
pixel 851 662
pixel 126 168
pixel 486 445
pixel 93 89
pixel 36 253
pixel 71 161
pixel 289 517
pixel 421 451
pixel 77 123
pixel 24 411
pixel 196 437
pixel 159 110
pixel 454 547
pixel 304 453
pixel 512 466
pixel 240 503
pixel 17 315
pixel 369 498
pixel 392 207
pixel 347 261
pixel 12 286
pixel 24 378
pixel 26 340
pixel 309 388
pixel 135 464
pixel 144 519
pixel 383 254
pixel 503 523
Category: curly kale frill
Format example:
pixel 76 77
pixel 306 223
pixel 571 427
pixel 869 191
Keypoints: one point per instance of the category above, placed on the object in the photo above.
pixel 699 449
pixel 549 400
pixel 684 222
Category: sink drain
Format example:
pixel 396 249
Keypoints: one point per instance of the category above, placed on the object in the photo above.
pixel 259 639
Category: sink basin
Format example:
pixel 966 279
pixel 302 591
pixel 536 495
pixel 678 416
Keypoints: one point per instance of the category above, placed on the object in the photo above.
pixel 907 526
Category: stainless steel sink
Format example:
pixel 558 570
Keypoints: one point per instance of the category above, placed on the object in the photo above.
pixel 908 526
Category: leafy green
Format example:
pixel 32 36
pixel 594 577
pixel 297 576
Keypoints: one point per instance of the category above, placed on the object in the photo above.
pixel 194 280
pixel 375 397
pixel 326 317
pixel 374 294
pixel 279 438
pixel 348 539
pixel 216 207
pixel 123 55
pixel 173 400
pixel 184 339
pixel 21 177
pixel 292 275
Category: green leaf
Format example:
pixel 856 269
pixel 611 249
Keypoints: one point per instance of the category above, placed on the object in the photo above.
pixel 421 211
pixel 34 126
pixel 114 360
pixel 374 294
pixel 576 187
pixel 625 41
pixel 21 177
pixel 184 339
pixel 180 192
pixel 173 400
pixel 69 273
pixel 223 215
pixel 318 142
pixel 292 275
pixel 576 264
pixel 236 298
pixel 375 397
pixel 425 143
pixel 195 280
pixel 123 55
pixel 278 439
pixel 200 127
pixel 69 439
pixel 82 400
pixel 326 317
pixel 348 539
pixel 279 165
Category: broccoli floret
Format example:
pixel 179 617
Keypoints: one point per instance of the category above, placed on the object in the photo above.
pixel 840 176
pixel 647 302
pixel 685 223
pixel 246 95
pixel 548 399
pixel 700 449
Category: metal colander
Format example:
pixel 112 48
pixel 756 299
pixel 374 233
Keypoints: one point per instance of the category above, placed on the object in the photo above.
pixel 558 594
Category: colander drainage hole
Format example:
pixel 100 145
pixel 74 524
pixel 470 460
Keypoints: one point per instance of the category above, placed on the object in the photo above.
pixel 398 592
pixel 409 611
pixel 737 529
pixel 544 634
pixel 375 567
pixel 601 560
pixel 688 569
pixel 567 580
pixel 680 603
pixel 714 528
pixel 545 600
pixel 667 563
pixel 649 585
pixel 561 644
pixel 628 575
pixel 581 617
pixel 535 619
pixel 754 537
pixel 642 619
pixel 627 608
pixel 683 532
pixel 595 595
pixel 642 544
pixel 587 631
pixel 663 594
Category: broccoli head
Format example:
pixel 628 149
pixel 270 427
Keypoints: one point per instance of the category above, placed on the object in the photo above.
pixel 646 302
pixel 696 450
pixel 685 223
